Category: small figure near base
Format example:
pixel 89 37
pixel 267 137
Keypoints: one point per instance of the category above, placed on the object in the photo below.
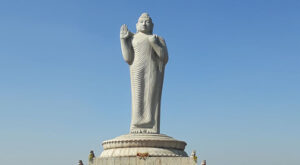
pixel 91 157
pixel 80 162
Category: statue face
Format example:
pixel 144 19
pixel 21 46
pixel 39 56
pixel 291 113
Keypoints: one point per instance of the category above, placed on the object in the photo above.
pixel 144 25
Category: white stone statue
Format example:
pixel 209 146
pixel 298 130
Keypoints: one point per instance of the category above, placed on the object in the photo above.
pixel 147 56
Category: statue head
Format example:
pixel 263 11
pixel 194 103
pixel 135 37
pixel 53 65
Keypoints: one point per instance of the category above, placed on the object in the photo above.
pixel 145 24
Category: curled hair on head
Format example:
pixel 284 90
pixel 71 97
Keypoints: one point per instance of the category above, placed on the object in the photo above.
pixel 146 15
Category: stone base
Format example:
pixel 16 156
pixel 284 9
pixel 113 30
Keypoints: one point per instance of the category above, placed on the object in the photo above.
pixel 153 145
pixel 145 161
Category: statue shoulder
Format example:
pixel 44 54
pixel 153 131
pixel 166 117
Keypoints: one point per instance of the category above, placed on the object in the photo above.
pixel 162 40
pixel 135 35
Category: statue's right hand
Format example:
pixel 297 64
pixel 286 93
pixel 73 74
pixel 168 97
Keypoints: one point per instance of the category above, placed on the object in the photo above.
pixel 124 32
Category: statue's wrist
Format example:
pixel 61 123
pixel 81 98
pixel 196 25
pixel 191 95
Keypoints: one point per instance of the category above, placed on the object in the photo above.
pixel 155 44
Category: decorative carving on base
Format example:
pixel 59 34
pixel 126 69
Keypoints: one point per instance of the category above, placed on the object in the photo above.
pixel 156 145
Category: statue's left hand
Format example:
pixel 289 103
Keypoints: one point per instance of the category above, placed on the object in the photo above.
pixel 124 32
pixel 153 38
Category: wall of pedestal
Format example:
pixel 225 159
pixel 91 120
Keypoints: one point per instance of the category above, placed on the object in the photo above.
pixel 145 161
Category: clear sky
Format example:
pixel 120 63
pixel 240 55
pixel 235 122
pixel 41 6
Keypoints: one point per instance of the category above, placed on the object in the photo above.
pixel 231 85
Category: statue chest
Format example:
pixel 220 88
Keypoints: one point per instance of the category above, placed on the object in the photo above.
pixel 141 42
pixel 143 53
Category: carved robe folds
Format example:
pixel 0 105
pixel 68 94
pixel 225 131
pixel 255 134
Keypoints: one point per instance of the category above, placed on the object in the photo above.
pixel 146 74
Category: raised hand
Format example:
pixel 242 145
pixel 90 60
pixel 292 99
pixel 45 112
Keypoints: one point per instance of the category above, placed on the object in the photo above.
pixel 153 38
pixel 124 32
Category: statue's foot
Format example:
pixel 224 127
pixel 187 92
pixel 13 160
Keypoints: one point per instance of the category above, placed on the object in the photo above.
pixel 143 130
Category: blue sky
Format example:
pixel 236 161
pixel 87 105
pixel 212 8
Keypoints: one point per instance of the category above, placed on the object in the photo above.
pixel 231 85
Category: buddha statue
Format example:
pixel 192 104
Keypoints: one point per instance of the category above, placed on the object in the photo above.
pixel 147 55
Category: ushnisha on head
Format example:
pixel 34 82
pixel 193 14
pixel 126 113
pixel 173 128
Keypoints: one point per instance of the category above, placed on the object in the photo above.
pixel 145 24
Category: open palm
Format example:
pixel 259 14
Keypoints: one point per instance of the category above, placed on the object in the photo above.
pixel 124 32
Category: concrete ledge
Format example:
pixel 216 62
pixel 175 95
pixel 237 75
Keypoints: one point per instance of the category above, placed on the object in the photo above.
pixel 156 145
pixel 145 161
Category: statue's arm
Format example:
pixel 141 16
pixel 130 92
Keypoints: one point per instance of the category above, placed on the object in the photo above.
pixel 126 44
pixel 127 50
pixel 160 48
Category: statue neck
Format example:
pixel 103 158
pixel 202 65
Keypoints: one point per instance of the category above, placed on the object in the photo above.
pixel 146 33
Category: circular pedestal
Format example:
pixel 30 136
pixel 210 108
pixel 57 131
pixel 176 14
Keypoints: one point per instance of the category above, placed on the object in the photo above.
pixel 152 144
